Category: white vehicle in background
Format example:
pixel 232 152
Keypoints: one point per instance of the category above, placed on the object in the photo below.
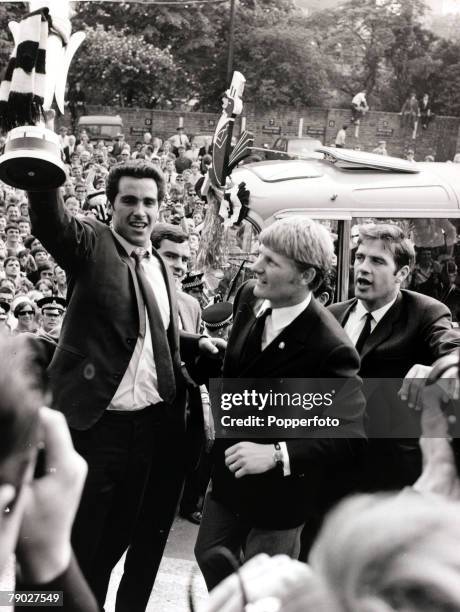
pixel 347 188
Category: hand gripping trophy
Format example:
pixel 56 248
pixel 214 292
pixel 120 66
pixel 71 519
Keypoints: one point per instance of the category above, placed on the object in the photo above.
pixel 36 75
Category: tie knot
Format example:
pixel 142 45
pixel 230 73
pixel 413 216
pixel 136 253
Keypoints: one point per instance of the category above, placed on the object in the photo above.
pixel 368 316
pixel 140 253
pixel 266 313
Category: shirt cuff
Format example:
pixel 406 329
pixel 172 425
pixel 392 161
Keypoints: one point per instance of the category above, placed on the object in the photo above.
pixel 286 462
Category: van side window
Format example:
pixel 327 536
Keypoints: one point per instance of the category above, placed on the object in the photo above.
pixel 437 263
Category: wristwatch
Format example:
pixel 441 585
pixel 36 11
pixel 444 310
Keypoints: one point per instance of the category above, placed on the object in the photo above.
pixel 278 459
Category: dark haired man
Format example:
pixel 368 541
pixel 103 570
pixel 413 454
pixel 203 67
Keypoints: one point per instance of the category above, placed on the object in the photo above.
pixel 399 334
pixel 117 373
pixel 149 539
pixel 13 240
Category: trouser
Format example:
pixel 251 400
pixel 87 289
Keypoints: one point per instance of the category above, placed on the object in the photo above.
pixel 119 450
pixel 220 527
pixel 152 527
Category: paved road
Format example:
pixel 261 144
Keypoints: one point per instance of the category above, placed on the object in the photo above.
pixel 170 591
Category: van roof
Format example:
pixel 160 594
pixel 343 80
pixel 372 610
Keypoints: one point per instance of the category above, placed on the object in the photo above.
pixel 325 189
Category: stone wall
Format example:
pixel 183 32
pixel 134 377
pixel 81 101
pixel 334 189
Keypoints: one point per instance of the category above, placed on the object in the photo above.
pixel 441 139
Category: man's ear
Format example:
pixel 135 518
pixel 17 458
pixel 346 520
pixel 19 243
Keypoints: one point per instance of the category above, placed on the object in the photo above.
pixel 308 276
pixel 402 274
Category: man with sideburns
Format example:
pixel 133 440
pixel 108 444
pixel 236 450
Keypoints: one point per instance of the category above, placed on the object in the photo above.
pixel 117 373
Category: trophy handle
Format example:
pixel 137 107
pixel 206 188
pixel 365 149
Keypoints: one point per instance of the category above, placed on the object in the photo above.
pixel 74 42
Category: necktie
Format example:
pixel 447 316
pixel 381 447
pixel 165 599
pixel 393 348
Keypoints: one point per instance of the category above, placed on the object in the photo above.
pixel 161 352
pixel 365 333
pixel 253 345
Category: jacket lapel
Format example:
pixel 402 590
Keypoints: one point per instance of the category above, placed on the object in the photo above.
pixel 287 344
pixel 384 328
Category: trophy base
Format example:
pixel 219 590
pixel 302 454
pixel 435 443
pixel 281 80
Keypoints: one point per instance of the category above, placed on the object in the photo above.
pixel 32 160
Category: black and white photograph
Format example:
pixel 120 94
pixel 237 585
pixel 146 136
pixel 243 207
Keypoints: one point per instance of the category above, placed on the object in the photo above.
pixel 230 305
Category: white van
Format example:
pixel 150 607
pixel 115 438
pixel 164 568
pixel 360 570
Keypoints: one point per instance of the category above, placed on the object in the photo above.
pixel 348 188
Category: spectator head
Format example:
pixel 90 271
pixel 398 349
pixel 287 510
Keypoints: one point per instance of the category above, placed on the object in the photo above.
pixel 24 310
pixel 172 244
pixel 24 208
pixel 177 213
pixel 45 286
pixel 124 155
pixel 195 168
pixel 386 553
pixel 2 224
pixel 181 150
pixel 45 270
pixel 197 218
pixel 25 285
pixel 4 310
pixel 170 167
pixel 429 158
pixel 456 159
pixel 24 226
pixel 135 190
pixel 207 161
pixel 147 137
pixel 12 267
pixel 77 172
pixel 60 275
pixel 217 319
pixel 63 130
pixel 23 257
pixel 13 212
pixel 52 309
pixel 80 192
pixel 194 241
pixel 85 157
pixel 6 292
pixel 40 254
pixel 72 206
pixel 12 233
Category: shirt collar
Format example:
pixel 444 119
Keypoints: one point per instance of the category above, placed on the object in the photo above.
pixel 282 317
pixel 128 247
pixel 378 314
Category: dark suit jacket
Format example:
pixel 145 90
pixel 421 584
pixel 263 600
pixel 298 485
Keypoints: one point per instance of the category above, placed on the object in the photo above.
pixel 101 326
pixel 416 329
pixel 315 346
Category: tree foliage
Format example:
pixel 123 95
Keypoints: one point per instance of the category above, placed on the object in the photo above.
pixel 114 68
pixel 149 54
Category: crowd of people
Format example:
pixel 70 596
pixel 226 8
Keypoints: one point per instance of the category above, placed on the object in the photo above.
pixel 101 289
pixel 28 271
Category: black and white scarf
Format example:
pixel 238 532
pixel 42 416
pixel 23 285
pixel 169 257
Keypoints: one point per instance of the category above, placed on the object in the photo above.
pixel 23 88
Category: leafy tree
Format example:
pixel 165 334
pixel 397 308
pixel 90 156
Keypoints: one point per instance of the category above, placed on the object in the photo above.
pixel 114 68
pixel 9 11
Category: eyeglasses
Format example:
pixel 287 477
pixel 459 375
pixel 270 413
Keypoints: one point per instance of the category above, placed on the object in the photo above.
pixel 24 313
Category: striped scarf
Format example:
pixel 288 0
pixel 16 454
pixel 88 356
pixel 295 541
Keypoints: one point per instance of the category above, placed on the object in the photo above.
pixel 23 87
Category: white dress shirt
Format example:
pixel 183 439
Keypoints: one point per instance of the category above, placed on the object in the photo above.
pixel 357 319
pixel 139 385
pixel 279 319
pixel 275 323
